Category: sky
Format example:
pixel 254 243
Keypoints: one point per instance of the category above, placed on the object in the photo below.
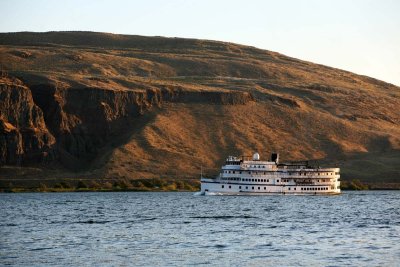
pixel 361 36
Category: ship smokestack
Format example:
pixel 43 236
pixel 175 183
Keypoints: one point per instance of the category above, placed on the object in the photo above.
pixel 275 157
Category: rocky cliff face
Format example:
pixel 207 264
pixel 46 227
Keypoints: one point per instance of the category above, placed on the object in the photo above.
pixel 24 137
pixel 82 119
pixel 48 122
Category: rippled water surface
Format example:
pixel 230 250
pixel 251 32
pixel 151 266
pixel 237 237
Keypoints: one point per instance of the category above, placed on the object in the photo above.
pixel 159 229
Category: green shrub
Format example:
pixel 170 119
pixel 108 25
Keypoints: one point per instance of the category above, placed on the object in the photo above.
pixel 65 185
pixel 180 185
pixel 81 184
pixel 354 184
pixel 121 184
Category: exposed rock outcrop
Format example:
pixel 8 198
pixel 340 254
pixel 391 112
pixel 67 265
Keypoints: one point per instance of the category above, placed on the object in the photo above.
pixel 74 123
pixel 24 137
pixel 82 119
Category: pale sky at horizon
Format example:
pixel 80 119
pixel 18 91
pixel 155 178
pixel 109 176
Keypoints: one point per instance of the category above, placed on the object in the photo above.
pixel 361 36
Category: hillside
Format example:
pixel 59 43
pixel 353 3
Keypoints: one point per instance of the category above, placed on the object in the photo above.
pixel 96 105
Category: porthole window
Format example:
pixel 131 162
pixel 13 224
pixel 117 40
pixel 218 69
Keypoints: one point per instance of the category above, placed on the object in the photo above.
pixel 265 188
pixel 258 188
pixel 229 186
pixel 222 186
pixel 252 187
pixel 247 187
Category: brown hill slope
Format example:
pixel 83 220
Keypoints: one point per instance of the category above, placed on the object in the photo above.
pixel 131 106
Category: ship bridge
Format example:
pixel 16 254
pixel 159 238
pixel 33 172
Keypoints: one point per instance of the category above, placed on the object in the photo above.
pixel 251 163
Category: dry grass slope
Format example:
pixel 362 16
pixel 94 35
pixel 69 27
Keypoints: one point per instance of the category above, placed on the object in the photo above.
pixel 192 117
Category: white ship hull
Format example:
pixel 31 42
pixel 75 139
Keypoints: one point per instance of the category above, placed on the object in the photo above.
pixel 216 189
pixel 255 177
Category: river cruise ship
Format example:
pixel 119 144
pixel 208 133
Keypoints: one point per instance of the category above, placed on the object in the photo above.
pixel 252 176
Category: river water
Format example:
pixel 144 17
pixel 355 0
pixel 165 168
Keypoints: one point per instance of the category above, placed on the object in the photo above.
pixel 164 229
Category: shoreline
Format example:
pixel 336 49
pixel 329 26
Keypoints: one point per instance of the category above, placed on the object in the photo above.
pixel 156 190
pixel 143 185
